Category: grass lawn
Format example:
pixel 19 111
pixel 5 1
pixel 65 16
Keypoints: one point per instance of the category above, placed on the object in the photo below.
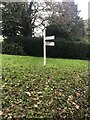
pixel 32 90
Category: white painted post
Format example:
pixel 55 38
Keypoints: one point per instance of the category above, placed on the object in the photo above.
pixel 44 46
pixel 46 43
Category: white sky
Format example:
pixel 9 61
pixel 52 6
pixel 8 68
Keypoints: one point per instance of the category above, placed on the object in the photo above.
pixel 83 6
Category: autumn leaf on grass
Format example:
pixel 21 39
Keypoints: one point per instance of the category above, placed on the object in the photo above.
pixel 77 94
pixel 28 93
pixel 76 106
pixel 35 106
pixel 70 97
pixel 39 93
pixel 39 102
pixel 1 112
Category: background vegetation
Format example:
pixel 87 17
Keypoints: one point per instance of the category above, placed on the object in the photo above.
pixel 19 25
pixel 34 47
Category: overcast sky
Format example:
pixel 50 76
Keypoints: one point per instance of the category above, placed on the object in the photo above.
pixel 83 6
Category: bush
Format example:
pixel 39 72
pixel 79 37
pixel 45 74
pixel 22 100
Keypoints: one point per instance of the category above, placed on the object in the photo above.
pixel 33 46
pixel 63 48
pixel 12 48
pixel 69 49
pixel 0 47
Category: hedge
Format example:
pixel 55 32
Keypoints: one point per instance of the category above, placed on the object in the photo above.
pixel 62 49
pixel 12 48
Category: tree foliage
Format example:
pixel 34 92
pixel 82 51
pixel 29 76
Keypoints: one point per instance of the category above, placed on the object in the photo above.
pixel 12 14
pixel 19 18
pixel 65 20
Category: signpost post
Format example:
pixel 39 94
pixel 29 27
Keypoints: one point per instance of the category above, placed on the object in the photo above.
pixel 44 47
pixel 47 43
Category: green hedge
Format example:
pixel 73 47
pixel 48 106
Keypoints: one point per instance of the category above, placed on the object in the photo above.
pixel 69 49
pixel 30 46
pixel 12 48
pixel 33 46
pixel 62 49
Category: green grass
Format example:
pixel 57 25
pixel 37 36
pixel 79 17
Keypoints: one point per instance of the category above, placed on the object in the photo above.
pixel 32 90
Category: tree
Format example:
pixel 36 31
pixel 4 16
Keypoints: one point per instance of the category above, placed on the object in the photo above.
pixel 17 19
pixel 20 19
pixel 65 19
pixel 12 16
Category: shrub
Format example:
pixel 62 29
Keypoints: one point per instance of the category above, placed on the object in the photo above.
pixel 33 46
pixel 63 48
pixel 69 49
pixel 12 48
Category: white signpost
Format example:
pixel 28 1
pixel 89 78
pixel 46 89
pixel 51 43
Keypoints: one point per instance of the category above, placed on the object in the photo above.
pixel 50 43
pixel 47 43
pixel 49 38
